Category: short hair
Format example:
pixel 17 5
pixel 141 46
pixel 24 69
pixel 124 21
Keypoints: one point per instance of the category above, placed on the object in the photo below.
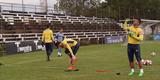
pixel 61 28
pixel 48 25
pixel 138 19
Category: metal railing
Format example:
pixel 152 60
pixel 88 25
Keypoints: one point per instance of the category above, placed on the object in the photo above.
pixel 6 38
pixel 27 8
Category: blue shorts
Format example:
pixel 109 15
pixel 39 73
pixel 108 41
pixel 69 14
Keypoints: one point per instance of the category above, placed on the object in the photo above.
pixel 49 48
pixel 134 49
pixel 74 49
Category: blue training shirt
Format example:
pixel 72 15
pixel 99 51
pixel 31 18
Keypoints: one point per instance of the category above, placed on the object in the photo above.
pixel 59 37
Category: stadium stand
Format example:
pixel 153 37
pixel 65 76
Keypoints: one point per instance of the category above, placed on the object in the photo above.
pixel 33 19
pixel 28 26
pixel 6 38
pixel 21 29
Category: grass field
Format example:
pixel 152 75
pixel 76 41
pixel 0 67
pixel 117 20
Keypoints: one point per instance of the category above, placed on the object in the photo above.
pixel 109 59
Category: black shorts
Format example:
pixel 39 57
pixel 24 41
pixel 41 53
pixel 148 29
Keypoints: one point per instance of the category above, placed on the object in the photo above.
pixel 49 48
pixel 74 49
pixel 134 49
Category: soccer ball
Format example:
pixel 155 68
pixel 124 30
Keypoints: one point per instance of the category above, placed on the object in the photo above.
pixel 142 61
pixel 147 62
pixel 150 62
pixel 153 54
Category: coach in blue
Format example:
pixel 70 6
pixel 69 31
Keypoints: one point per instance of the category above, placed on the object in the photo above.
pixel 59 37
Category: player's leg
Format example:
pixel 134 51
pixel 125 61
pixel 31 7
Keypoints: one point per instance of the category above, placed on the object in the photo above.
pixel 72 62
pixel 131 58
pixel 59 51
pixel 70 59
pixel 49 50
pixel 75 50
pixel 138 57
pixel 68 53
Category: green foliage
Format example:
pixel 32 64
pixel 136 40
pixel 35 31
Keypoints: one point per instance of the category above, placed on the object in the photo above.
pixel 117 9
pixel 78 7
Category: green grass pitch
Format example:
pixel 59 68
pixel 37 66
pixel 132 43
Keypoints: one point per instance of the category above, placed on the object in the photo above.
pixel 96 62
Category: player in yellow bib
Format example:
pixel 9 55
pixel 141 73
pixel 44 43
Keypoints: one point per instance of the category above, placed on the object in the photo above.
pixel 135 36
pixel 47 41
pixel 71 47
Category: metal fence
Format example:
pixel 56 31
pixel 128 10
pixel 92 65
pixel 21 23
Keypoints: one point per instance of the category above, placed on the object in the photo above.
pixel 27 8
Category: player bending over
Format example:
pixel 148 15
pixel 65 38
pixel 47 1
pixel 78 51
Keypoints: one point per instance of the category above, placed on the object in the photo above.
pixel 71 47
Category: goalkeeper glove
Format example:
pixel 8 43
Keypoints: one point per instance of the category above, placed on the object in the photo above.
pixel 132 34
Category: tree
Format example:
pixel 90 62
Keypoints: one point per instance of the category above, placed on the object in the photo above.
pixel 117 9
pixel 78 7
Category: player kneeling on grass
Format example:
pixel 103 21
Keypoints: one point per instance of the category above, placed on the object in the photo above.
pixel 71 47
pixel 135 36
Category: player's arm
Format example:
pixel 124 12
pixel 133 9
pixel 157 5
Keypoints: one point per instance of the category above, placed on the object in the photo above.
pixel 52 37
pixel 125 26
pixel 56 37
pixel 43 35
pixel 64 36
pixel 43 38
pixel 140 37
pixel 70 50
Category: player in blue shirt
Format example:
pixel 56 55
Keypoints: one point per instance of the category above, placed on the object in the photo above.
pixel 59 37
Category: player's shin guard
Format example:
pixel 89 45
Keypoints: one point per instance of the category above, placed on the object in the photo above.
pixel 48 58
pixel 72 67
